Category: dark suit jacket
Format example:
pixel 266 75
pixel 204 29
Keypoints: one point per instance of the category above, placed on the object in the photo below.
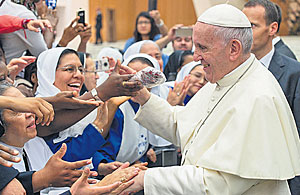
pixel 282 48
pixel 287 72
pixel 8 173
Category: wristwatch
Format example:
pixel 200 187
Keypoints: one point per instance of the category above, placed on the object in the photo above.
pixel 95 94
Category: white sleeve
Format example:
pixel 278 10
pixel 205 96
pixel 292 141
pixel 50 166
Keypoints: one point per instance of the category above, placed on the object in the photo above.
pixel 191 180
pixel 34 41
pixel 159 117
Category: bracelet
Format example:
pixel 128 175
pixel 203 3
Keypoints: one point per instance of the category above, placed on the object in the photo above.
pixel 95 94
pixel 97 128
pixel 25 22
pixel 161 23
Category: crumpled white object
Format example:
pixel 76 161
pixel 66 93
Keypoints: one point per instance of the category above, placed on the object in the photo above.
pixel 149 77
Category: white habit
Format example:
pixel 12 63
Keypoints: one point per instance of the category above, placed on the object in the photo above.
pixel 237 136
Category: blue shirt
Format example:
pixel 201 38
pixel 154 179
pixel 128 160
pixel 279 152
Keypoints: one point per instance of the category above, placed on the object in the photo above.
pixel 131 41
pixel 109 151
pixel 81 147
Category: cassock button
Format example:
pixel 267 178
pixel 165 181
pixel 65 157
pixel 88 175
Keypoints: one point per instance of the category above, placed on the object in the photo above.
pixel 208 111
pixel 212 99
pixel 218 88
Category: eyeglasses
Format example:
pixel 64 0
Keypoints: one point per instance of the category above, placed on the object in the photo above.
pixel 143 22
pixel 90 71
pixel 72 69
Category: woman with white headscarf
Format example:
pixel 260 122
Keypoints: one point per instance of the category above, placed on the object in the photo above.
pixel 131 143
pixel 189 80
pixel 148 47
pixel 152 49
pixel 60 69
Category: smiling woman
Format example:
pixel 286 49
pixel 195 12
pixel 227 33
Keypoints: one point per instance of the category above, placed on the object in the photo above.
pixel 60 69
pixel 69 72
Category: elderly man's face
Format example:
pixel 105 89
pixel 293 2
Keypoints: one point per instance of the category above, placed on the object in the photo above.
pixel 211 51
pixel 260 29
pixel 182 43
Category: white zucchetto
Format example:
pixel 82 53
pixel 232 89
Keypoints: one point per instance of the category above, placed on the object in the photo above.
pixel 225 15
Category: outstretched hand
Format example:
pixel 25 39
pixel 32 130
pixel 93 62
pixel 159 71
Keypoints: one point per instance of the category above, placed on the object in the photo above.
pixel 16 65
pixel 41 108
pixel 108 168
pixel 81 186
pixel 35 25
pixel 118 85
pixel 8 155
pixel 69 100
pixel 59 173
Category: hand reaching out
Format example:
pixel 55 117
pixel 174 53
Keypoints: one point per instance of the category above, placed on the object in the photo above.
pixel 8 155
pixel 41 108
pixel 81 186
pixel 108 168
pixel 59 173
pixel 35 25
pixel 16 65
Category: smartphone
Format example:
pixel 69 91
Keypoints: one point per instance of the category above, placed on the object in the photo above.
pixel 81 14
pixel 152 5
pixel 51 4
pixel 184 32
pixel 101 65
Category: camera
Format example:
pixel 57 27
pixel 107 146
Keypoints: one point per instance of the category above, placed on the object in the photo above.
pixel 81 14
pixel 184 32
pixel 101 65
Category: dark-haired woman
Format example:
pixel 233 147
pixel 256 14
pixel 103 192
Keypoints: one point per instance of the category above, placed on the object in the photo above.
pixel 145 29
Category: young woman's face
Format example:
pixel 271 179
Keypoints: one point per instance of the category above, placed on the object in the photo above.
pixel 143 25
pixel 197 80
pixel 19 127
pixel 69 74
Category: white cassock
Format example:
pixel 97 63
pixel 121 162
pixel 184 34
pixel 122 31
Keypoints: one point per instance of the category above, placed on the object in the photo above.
pixel 238 136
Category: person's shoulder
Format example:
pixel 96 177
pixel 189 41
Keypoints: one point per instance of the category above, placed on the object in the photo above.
pixel 129 42
pixel 290 64
pixel 22 12
pixel 156 37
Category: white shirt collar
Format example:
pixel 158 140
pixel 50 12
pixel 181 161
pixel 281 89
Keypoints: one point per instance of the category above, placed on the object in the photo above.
pixel 267 58
pixel 275 40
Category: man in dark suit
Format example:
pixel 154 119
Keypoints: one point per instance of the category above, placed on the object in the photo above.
pixel 98 26
pixel 280 46
pixel 263 17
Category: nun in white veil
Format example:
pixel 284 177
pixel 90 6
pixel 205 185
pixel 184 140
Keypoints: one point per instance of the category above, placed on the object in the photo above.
pixel 82 147
pixel 161 91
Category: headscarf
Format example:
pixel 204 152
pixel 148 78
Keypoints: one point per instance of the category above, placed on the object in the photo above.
pixel 163 90
pixel 151 59
pixel 46 68
pixel 174 63
pixel 110 52
pixel 136 47
pixel 186 70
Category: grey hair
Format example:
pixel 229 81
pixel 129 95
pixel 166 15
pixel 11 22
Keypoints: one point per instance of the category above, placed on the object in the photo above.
pixel 244 35
pixel 4 85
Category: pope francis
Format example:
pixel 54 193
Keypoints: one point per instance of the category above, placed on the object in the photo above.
pixel 237 134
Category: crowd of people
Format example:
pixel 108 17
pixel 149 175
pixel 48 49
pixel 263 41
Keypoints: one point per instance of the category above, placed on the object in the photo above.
pixel 225 121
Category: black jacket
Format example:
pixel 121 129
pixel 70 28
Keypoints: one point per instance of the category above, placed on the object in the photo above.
pixel 282 48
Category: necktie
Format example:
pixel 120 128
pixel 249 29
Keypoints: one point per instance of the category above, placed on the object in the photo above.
pixel 25 158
